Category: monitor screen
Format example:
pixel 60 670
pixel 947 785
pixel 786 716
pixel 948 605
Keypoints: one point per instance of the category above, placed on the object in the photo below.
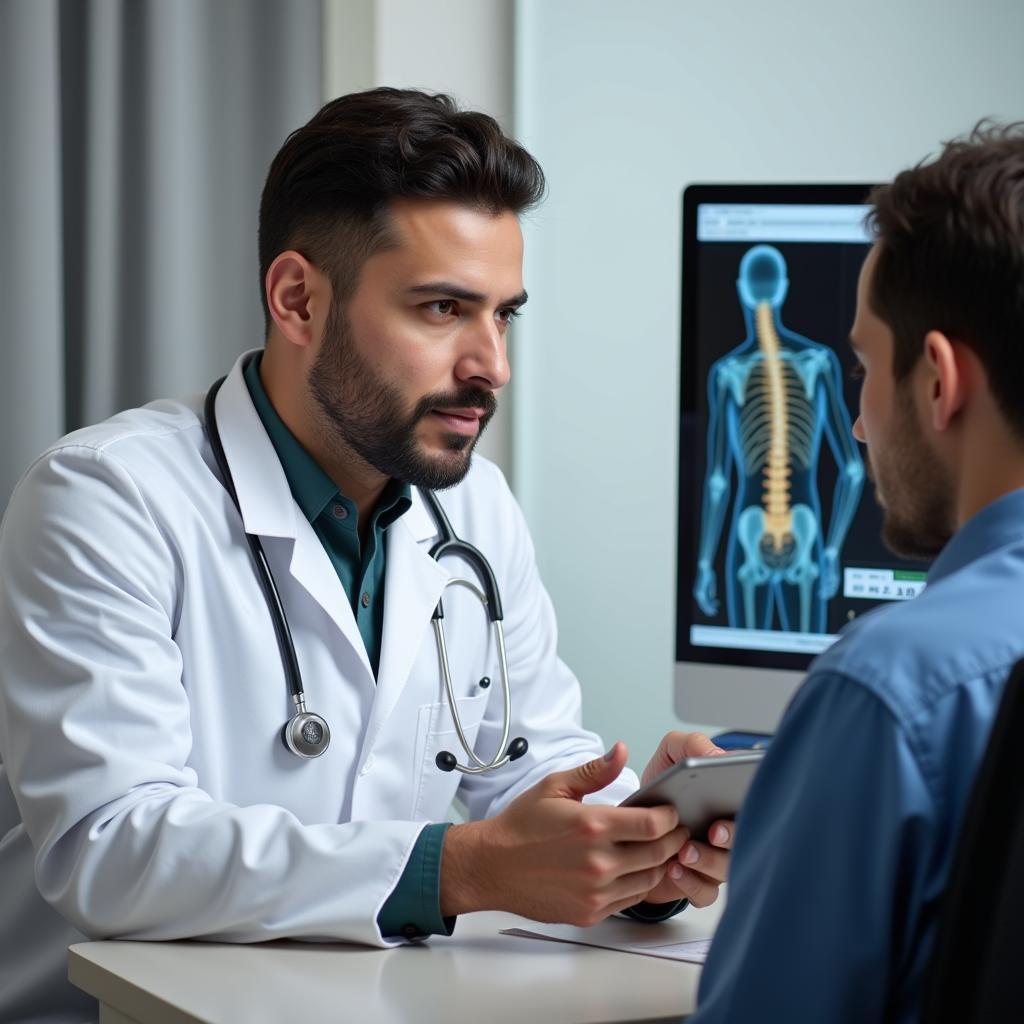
pixel 779 535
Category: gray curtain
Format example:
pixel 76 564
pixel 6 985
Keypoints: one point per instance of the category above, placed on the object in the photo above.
pixel 134 139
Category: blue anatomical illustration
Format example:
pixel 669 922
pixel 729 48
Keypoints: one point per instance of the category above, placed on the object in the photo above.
pixel 770 401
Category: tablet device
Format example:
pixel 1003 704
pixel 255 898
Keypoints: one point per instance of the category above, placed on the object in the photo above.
pixel 702 789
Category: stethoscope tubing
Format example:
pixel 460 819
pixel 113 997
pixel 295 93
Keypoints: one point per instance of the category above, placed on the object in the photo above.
pixel 281 628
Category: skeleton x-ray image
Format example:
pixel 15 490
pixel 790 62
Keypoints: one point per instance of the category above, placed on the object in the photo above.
pixel 772 400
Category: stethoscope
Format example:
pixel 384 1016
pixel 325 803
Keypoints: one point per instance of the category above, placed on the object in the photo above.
pixel 307 734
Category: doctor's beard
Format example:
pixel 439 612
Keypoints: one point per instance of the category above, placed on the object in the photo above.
pixel 366 414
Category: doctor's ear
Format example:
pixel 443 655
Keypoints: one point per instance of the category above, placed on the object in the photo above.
pixel 298 297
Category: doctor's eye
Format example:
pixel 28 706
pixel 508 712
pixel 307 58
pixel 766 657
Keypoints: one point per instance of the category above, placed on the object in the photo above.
pixel 507 315
pixel 857 371
pixel 443 307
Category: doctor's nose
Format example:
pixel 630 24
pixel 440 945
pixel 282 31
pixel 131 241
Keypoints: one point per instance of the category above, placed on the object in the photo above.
pixel 858 430
pixel 484 360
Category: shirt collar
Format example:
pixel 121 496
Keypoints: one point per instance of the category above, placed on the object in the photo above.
pixel 311 487
pixel 394 502
pixel 999 523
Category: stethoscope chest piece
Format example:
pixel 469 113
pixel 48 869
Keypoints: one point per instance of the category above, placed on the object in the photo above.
pixel 306 734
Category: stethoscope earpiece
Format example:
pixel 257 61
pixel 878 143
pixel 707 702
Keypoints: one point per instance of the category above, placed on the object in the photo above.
pixel 517 748
pixel 448 762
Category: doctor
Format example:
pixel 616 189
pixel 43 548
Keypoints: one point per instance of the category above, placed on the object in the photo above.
pixel 145 791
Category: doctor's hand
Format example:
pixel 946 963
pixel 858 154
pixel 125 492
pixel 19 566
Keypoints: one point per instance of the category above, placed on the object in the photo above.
pixel 699 869
pixel 550 857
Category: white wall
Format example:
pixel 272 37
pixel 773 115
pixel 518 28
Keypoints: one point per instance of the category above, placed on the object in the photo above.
pixel 624 104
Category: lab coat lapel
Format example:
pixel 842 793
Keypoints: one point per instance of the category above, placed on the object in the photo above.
pixel 311 567
pixel 414 583
pixel 269 510
pixel 264 497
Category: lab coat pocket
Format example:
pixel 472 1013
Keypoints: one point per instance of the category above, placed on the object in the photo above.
pixel 435 789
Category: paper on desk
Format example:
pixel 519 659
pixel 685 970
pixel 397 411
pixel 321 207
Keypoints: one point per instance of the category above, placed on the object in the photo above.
pixel 693 951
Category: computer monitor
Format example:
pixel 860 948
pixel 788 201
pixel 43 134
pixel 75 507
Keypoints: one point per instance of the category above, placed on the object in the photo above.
pixel 779 535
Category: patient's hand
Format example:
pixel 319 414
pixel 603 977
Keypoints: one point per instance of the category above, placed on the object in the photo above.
pixel 699 868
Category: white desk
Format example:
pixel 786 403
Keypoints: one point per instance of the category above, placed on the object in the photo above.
pixel 474 977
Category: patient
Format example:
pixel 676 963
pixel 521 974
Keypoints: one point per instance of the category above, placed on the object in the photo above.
pixel 845 843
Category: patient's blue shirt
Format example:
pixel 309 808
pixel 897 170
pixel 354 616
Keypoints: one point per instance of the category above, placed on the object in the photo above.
pixel 847 836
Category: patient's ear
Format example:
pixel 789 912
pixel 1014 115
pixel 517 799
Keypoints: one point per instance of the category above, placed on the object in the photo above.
pixel 950 371
pixel 298 297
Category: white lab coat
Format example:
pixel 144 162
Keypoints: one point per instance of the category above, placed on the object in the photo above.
pixel 142 698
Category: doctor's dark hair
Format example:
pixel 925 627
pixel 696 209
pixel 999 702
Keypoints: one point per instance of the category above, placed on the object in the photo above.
pixel 950 236
pixel 328 188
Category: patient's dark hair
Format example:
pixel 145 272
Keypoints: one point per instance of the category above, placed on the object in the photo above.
pixel 950 237
pixel 328 188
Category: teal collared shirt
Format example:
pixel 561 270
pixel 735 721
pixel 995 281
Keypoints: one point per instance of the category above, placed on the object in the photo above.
pixel 413 909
